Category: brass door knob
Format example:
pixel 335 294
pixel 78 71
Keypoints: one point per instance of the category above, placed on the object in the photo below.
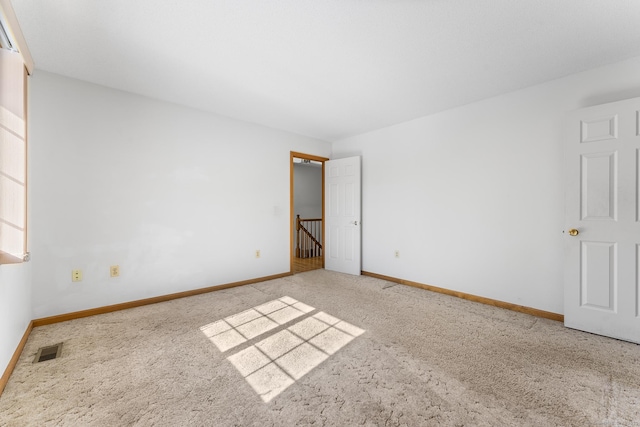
pixel 573 232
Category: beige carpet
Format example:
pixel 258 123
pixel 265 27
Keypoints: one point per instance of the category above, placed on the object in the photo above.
pixel 322 348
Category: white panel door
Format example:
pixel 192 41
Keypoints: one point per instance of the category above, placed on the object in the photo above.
pixel 602 155
pixel 342 215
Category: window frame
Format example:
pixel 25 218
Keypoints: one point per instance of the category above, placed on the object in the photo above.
pixel 9 23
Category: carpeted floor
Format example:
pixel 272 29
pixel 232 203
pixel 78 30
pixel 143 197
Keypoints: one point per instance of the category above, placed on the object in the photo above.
pixel 322 348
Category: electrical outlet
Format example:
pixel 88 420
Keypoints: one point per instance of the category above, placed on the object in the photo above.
pixel 257 253
pixel 114 270
pixel 76 275
pixel 397 254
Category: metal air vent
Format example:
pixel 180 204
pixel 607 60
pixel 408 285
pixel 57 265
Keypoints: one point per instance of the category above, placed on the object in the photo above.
pixel 48 353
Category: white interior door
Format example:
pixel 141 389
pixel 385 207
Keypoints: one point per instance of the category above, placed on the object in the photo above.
pixel 601 262
pixel 342 215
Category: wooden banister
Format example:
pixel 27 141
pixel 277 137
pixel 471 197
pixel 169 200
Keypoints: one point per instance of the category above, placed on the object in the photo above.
pixel 308 232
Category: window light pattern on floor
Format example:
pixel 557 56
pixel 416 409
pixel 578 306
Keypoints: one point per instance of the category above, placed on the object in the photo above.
pixel 239 328
pixel 279 360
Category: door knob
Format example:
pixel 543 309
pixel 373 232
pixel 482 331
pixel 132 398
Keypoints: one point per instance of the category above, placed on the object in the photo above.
pixel 354 222
pixel 573 232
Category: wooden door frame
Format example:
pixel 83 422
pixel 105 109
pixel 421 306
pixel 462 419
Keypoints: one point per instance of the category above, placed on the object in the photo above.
pixel 297 155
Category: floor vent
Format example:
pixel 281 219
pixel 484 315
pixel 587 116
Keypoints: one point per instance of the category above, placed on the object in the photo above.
pixel 48 353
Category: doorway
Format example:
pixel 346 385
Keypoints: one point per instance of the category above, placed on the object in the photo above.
pixel 307 212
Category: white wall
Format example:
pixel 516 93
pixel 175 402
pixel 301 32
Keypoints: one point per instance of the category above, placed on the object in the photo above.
pixel 473 197
pixel 307 191
pixel 179 199
pixel 15 308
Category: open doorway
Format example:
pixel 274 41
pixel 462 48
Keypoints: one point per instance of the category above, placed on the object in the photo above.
pixel 307 212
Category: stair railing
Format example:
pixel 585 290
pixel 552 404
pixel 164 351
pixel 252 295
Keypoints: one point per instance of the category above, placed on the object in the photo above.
pixel 308 237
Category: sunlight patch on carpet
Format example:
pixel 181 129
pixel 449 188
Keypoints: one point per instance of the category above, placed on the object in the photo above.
pixel 279 360
pixel 234 330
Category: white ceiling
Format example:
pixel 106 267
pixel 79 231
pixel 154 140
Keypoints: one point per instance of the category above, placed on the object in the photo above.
pixel 326 68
